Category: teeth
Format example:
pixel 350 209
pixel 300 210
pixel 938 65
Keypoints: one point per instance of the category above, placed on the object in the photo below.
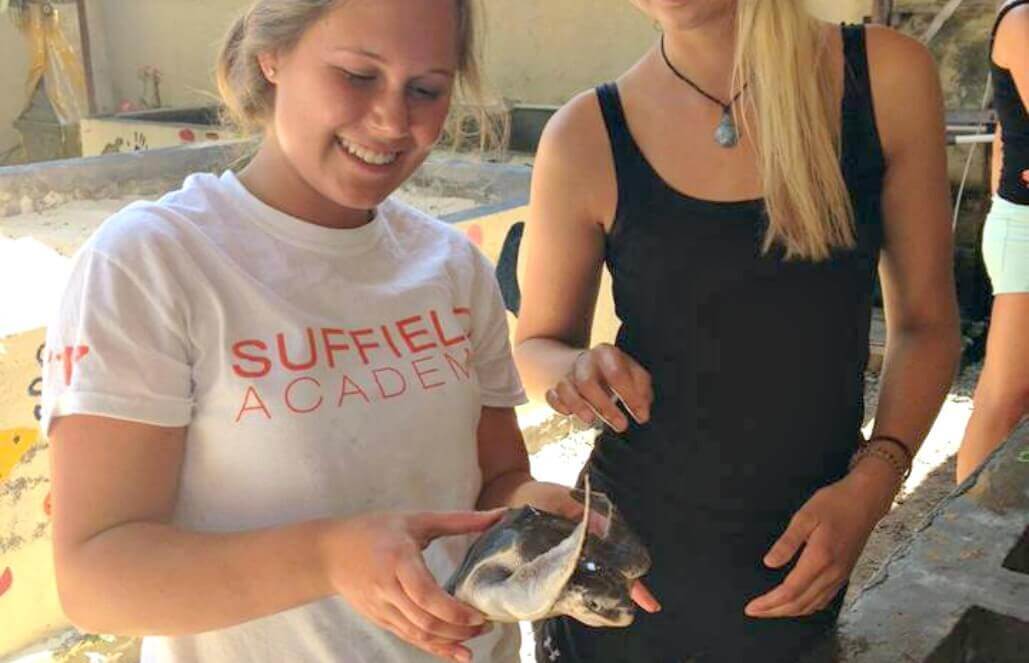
pixel 368 156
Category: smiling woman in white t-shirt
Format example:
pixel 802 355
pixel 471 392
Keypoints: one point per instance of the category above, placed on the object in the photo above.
pixel 273 398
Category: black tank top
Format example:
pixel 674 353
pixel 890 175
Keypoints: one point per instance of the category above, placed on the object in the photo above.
pixel 758 374
pixel 1014 123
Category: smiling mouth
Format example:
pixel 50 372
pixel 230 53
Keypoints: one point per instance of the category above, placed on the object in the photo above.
pixel 370 157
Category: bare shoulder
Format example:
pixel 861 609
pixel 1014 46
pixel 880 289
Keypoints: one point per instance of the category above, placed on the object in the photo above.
pixel 1010 45
pixel 896 60
pixel 575 154
pixel 1016 20
pixel 576 133
pixel 905 87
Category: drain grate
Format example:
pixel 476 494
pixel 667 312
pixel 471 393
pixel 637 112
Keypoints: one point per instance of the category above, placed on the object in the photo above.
pixel 1018 559
pixel 983 636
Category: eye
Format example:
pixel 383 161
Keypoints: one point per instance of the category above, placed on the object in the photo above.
pixel 424 92
pixel 357 78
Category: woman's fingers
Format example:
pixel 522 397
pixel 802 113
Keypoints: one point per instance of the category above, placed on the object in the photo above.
pixel 425 527
pixel 814 572
pixel 785 548
pixel 555 402
pixel 574 403
pixel 601 403
pixel 430 608
pixel 392 619
pixel 598 382
pixel 628 382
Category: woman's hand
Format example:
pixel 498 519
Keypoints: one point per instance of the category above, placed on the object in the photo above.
pixel 374 561
pixel 832 527
pixel 598 380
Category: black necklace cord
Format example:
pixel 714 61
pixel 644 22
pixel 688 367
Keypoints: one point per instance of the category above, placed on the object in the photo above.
pixel 725 106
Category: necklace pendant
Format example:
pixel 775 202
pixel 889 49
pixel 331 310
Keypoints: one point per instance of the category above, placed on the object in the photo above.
pixel 726 134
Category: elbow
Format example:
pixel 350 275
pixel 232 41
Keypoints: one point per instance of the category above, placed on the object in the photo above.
pixel 80 594
pixel 73 592
pixel 77 607
pixel 943 338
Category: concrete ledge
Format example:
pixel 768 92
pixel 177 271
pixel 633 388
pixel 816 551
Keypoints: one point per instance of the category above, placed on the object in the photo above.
pixel 32 187
pixel 112 176
pixel 492 185
pixel 954 591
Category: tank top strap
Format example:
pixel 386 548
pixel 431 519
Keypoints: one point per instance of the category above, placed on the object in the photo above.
pixel 862 147
pixel 629 162
pixel 855 54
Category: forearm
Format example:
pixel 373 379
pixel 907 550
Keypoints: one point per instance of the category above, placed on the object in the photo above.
pixel 502 491
pixel 543 362
pixel 517 489
pixel 156 579
pixel 917 372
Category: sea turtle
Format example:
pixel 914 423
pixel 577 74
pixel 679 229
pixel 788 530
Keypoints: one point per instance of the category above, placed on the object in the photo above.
pixel 533 564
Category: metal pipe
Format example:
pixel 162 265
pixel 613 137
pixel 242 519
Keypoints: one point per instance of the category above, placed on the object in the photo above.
pixel 882 11
pixel 970 140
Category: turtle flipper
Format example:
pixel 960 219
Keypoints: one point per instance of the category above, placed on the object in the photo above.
pixel 531 590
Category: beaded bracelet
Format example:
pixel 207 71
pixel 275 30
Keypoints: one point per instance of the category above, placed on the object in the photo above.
pixel 900 444
pixel 903 469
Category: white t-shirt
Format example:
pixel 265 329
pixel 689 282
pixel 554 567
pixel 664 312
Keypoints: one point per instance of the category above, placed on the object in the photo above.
pixel 321 372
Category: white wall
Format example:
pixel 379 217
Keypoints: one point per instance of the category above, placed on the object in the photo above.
pixel 180 37
pixel 538 51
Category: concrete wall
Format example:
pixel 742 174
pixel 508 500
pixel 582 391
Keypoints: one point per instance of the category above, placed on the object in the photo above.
pixel 13 67
pixel 538 51
pixel 180 37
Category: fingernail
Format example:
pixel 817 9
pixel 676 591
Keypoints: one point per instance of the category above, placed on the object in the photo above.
pixel 476 620
pixel 463 656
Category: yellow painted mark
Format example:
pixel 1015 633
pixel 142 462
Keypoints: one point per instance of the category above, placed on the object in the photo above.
pixel 15 443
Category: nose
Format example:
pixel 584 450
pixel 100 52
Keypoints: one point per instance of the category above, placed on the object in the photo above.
pixel 390 115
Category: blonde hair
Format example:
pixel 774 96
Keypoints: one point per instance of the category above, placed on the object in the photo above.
pixel 278 25
pixel 795 103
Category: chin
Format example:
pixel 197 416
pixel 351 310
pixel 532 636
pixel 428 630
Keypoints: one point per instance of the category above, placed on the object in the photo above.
pixel 355 198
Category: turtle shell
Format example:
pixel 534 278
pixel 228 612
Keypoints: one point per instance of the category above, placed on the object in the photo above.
pixel 500 562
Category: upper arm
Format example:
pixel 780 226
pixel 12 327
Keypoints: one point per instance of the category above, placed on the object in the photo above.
pixel 500 444
pixel 1011 48
pixel 562 251
pixel 117 390
pixel 917 275
pixel 108 472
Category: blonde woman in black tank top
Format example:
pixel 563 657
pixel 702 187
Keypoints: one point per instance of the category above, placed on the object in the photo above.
pixel 741 182
pixel 1002 395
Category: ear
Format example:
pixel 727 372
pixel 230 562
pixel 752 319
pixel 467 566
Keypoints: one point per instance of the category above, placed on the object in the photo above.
pixel 269 63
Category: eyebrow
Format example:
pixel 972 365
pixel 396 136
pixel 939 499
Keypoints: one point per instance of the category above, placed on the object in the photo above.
pixel 379 58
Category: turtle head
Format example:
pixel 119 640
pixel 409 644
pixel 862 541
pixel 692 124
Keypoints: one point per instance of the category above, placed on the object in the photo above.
pixel 597 597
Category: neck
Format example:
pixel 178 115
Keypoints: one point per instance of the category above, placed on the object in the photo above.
pixel 705 52
pixel 272 179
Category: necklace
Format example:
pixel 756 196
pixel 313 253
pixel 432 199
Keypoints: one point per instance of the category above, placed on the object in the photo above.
pixel 726 134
